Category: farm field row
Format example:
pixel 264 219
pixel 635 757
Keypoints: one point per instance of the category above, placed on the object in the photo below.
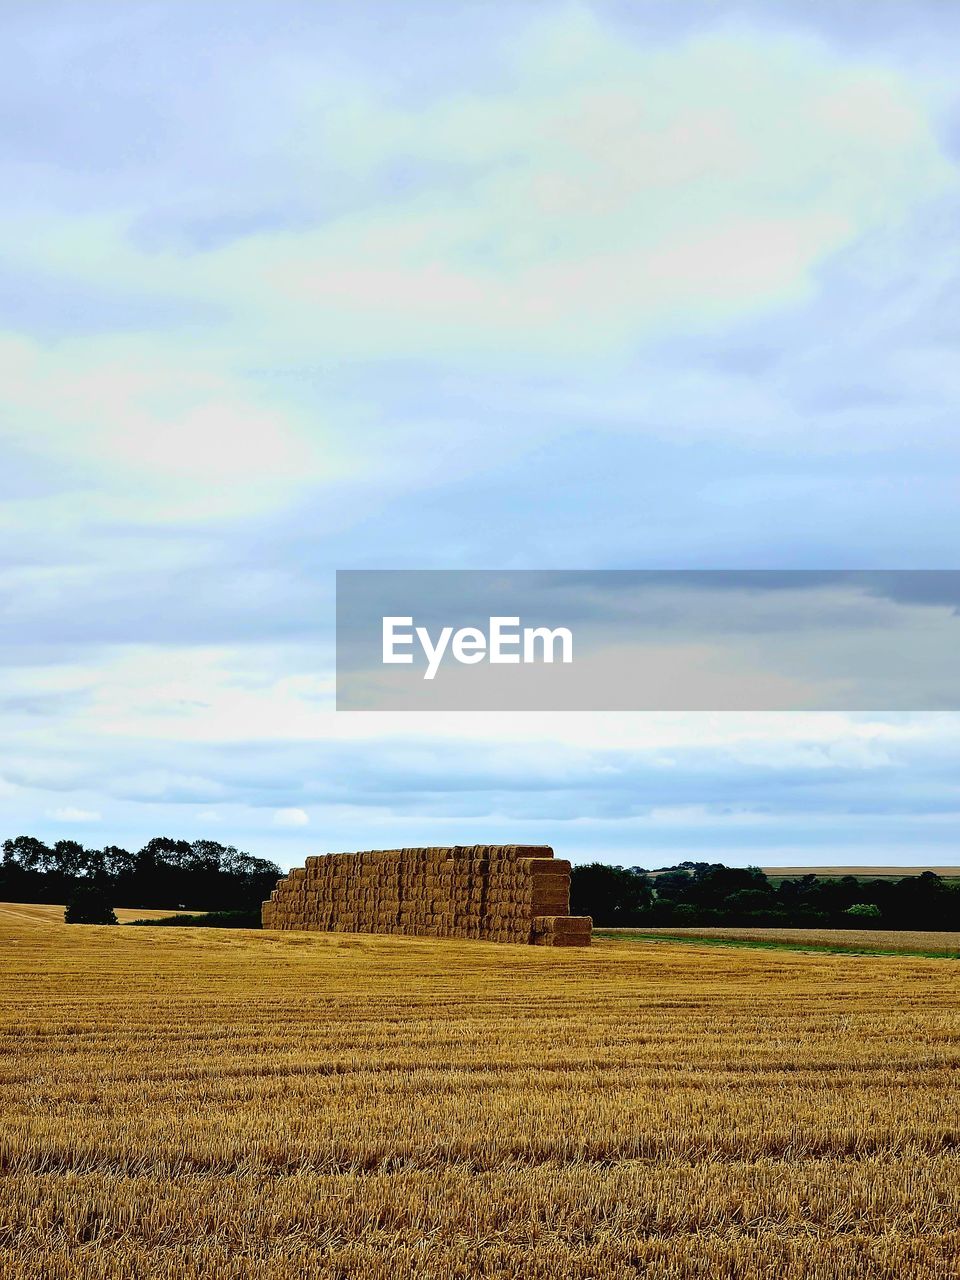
pixel 245 1104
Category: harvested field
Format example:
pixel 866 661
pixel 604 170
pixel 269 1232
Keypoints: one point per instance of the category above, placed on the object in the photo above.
pixel 896 941
pixel 246 1105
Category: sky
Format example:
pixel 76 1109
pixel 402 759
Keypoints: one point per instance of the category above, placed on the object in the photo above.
pixel 288 288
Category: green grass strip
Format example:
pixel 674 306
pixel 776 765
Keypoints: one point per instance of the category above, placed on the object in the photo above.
pixel 824 948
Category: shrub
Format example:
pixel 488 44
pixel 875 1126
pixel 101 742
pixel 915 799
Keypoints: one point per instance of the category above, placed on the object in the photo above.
pixel 863 911
pixel 210 920
pixel 89 904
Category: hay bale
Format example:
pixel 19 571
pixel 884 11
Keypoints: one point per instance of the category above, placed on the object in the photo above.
pixel 495 892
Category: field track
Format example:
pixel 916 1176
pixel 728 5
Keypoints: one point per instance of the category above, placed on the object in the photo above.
pixel 245 1105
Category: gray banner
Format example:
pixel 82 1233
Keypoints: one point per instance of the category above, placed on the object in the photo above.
pixel 712 640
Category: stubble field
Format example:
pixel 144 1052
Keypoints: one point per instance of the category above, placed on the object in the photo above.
pixel 231 1104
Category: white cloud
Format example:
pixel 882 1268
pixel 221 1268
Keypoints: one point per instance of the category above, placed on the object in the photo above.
pixel 290 818
pixel 594 195
pixel 70 814
pixel 187 432
pixel 587 192
pixel 601 196
pixel 598 192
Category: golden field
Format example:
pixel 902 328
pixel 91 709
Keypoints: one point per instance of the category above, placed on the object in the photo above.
pixel 893 940
pixel 218 1103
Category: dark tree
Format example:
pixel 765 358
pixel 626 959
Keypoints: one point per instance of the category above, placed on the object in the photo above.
pixel 89 905
pixel 204 875
pixel 613 896
pixel 27 853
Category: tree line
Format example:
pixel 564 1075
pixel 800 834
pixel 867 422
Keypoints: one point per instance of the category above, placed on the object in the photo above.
pixel 708 893
pixel 204 875
pixel 200 874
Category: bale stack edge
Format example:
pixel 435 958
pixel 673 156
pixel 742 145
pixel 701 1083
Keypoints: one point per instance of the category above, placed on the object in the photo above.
pixel 495 893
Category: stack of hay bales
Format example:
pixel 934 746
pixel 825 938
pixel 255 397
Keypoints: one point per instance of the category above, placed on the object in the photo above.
pixel 501 893
pixel 561 931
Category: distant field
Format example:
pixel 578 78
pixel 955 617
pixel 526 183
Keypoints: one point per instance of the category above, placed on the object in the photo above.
pixel 861 872
pixel 895 941
pixel 251 1105
pixel 44 913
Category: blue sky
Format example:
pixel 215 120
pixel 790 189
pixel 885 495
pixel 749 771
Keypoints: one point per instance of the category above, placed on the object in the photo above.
pixel 288 288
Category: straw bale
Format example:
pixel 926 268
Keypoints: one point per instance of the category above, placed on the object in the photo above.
pixel 495 892
pixel 563 924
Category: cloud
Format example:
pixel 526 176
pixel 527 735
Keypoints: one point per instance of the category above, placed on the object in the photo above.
pixel 596 286
pixel 638 789
pixel 601 192
pixel 591 245
pixel 192 436
pixel 290 818
pixel 70 814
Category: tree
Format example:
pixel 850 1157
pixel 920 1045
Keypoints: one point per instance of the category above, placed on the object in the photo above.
pixel 117 861
pixel 863 912
pixel 751 905
pixel 27 853
pixel 613 896
pixel 89 904
pixel 69 858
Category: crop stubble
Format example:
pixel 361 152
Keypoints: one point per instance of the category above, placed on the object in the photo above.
pixel 180 1103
